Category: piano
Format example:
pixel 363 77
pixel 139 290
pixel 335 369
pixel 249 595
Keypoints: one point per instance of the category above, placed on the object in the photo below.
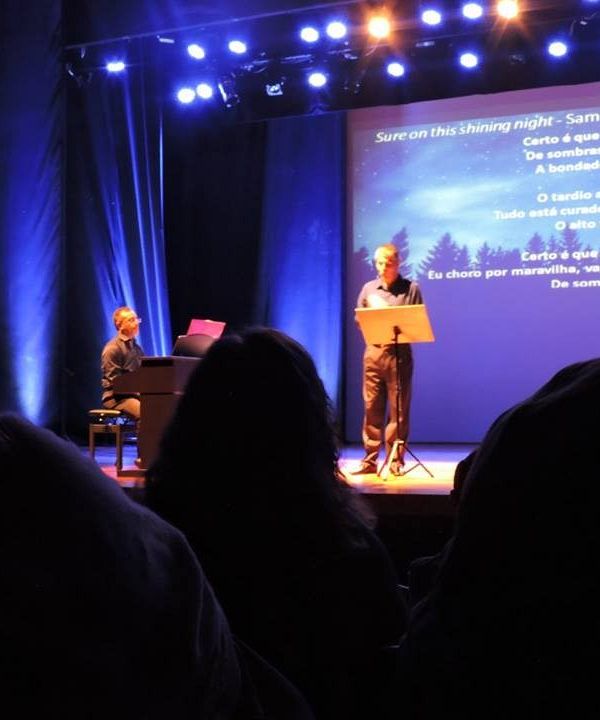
pixel 160 382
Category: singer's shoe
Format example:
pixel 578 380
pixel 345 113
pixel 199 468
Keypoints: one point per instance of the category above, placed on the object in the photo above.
pixel 397 467
pixel 365 469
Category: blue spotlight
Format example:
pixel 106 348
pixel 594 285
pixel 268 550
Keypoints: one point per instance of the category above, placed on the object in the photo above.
pixel 472 10
pixel 196 51
pixel 557 48
pixel 336 30
pixel 469 60
pixel 309 34
pixel 237 47
pixel 431 16
pixel 115 66
pixel 186 95
pixel 204 91
pixel 395 69
pixel 317 79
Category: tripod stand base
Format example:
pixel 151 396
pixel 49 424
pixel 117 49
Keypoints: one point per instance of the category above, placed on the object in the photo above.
pixel 395 457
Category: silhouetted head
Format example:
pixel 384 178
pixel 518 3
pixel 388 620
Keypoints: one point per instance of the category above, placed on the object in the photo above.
pixel 254 426
pixel 104 604
pixel 460 475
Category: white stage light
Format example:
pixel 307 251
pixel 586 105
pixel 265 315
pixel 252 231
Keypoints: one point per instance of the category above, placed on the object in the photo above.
pixel 469 60
pixel 431 16
pixel 115 66
pixel 336 30
pixel 309 34
pixel 395 69
pixel 557 48
pixel 196 51
pixel 204 91
pixel 237 47
pixel 472 11
pixel 186 95
pixel 317 79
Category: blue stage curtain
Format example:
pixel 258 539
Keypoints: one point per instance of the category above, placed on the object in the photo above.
pixel 300 282
pixel 30 209
pixel 115 236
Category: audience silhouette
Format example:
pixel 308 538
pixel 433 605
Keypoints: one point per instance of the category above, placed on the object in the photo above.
pixel 105 610
pixel 248 471
pixel 511 625
pixel 422 571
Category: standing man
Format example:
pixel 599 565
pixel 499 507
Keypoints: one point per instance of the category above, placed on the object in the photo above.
pixel 120 355
pixel 379 363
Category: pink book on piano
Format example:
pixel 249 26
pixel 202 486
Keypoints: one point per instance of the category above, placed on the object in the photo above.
pixel 214 328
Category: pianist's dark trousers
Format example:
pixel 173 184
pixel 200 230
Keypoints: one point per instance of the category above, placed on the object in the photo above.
pixel 129 405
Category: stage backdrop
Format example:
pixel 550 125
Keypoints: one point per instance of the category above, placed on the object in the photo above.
pixel 494 202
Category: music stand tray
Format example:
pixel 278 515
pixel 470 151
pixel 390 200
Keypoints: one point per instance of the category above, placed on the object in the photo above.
pixel 378 324
pixel 394 325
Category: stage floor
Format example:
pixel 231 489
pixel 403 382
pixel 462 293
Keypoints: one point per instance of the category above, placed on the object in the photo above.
pixel 413 514
pixel 429 471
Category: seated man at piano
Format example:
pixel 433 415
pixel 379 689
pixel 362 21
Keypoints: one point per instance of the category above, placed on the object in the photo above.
pixel 122 355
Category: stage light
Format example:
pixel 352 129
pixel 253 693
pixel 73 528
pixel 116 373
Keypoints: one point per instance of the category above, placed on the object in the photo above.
pixel 395 69
pixel 228 91
pixel 237 47
pixel 274 89
pixel 204 91
pixel 557 48
pixel 196 51
pixel 507 9
pixel 379 27
pixel 431 16
pixel 309 34
pixel 115 66
pixel 468 60
pixel 472 11
pixel 186 95
pixel 336 30
pixel 317 79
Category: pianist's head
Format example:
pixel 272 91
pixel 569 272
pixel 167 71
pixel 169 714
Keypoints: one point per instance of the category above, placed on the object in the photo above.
pixel 126 321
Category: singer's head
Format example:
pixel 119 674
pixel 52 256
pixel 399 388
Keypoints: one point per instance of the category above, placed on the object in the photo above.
pixel 387 263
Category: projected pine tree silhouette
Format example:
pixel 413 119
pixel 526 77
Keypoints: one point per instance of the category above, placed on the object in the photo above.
pixel 535 244
pixel 570 240
pixel 400 240
pixel 442 257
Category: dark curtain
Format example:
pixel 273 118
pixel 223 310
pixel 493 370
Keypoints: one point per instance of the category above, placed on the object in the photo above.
pixel 214 176
pixel 31 247
pixel 115 235
pixel 254 225
pixel 301 269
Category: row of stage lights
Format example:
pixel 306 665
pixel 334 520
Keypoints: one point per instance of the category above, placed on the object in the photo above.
pixel 379 27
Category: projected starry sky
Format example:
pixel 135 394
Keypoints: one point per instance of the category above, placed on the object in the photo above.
pixel 481 180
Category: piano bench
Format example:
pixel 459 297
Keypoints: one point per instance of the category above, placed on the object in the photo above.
pixel 109 422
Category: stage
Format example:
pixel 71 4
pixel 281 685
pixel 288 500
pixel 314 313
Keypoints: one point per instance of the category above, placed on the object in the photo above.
pixel 413 514
pixel 416 488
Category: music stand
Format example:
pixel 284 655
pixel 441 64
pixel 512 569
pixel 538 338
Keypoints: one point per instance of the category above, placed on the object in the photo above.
pixel 393 325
